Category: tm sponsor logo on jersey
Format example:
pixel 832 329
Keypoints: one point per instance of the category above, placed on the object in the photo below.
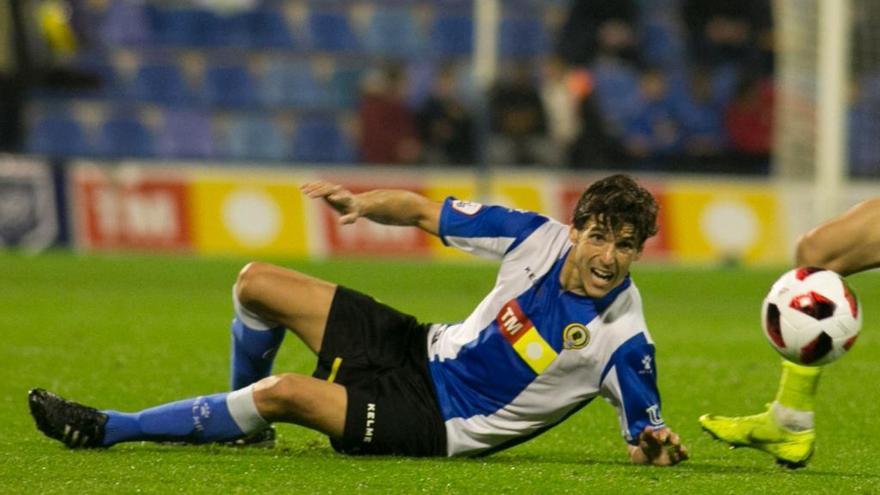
pixel 466 207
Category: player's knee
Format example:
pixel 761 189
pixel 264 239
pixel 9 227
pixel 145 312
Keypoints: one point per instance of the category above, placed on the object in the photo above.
pixel 282 397
pixel 250 279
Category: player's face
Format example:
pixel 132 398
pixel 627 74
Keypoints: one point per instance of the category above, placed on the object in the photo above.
pixel 600 258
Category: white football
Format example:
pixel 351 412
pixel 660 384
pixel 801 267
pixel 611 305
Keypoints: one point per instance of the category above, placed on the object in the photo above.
pixel 811 316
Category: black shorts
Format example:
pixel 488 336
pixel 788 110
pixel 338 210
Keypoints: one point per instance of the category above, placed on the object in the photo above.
pixel 383 364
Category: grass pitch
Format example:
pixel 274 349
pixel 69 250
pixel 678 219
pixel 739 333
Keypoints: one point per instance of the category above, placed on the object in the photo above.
pixel 128 332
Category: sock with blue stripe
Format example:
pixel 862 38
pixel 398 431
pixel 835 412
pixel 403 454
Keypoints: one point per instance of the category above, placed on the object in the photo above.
pixel 255 342
pixel 211 418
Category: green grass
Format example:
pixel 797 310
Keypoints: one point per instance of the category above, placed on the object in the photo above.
pixel 128 332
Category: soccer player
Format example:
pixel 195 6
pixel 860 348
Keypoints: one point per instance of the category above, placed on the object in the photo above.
pixel 562 326
pixel 847 244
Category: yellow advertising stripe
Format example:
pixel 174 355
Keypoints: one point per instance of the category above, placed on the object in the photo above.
pixel 534 350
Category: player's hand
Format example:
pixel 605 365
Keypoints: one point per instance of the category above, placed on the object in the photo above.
pixel 338 197
pixel 658 447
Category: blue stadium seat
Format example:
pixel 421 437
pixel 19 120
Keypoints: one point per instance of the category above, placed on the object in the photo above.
pixel 186 134
pixel 126 23
pixel 256 138
pixel 522 37
pixel 320 140
pixel 185 27
pixel 345 87
pixel 264 28
pixel 229 86
pixel 160 83
pixel 293 84
pixel 452 35
pixel 864 147
pixel 57 134
pixel 393 32
pixel 331 31
pixel 122 136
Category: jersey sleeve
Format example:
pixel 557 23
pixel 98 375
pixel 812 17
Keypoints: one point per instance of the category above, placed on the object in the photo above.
pixel 485 230
pixel 629 383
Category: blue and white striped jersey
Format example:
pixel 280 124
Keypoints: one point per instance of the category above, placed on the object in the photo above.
pixel 531 354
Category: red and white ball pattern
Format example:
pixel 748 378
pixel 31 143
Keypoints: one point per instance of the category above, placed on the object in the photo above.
pixel 811 316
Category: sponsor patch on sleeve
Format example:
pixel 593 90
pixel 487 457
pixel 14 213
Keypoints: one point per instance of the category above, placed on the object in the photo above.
pixel 466 207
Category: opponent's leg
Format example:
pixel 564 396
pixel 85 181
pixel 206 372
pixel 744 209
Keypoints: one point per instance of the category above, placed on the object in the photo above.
pixel 286 298
pixel 785 430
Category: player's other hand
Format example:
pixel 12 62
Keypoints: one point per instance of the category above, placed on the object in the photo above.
pixel 338 197
pixel 658 447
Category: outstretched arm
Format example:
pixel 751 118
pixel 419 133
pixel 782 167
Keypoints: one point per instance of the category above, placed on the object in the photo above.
pixel 658 447
pixel 846 244
pixel 385 206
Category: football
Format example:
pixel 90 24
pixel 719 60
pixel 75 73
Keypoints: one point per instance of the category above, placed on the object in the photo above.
pixel 811 316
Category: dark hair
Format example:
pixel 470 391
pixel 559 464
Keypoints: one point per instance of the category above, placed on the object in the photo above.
pixel 618 200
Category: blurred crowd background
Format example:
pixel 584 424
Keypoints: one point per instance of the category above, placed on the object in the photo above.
pixel 659 85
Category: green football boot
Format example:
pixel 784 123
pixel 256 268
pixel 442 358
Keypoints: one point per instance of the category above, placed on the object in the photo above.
pixel 791 449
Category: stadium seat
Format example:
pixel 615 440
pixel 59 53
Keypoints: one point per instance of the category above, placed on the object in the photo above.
pixel 126 23
pixel 452 35
pixel 186 134
pixel 393 32
pixel 160 83
pixel 293 84
pixel 57 134
pixel 864 147
pixel 125 136
pixel 185 27
pixel 331 31
pixel 256 138
pixel 522 37
pixel 263 28
pixel 345 87
pixel 320 140
pixel 229 86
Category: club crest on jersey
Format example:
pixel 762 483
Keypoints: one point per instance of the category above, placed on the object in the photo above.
pixel 466 207
pixel 575 336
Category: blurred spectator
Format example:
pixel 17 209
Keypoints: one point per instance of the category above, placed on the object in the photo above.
pixel 560 95
pixel 596 28
pixel 518 130
pixel 730 31
pixel 594 147
pixel 749 122
pixel 652 131
pixel 701 114
pixel 445 124
pixel 387 126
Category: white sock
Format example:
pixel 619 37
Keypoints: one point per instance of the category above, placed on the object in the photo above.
pixel 243 410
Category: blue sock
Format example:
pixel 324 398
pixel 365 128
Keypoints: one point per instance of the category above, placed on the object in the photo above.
pixel 200 420
pixel 253 352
